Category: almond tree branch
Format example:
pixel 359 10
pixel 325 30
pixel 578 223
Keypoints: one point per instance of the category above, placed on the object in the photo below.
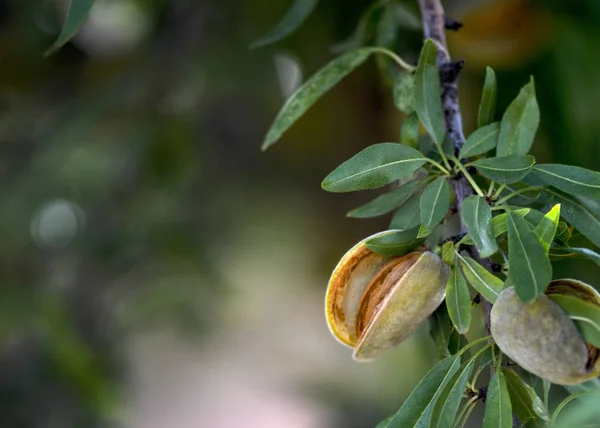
pixel 434 26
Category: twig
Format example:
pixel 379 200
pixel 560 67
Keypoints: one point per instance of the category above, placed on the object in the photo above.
pixel 434 26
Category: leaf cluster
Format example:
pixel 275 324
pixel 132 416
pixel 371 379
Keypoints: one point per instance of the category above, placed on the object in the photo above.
pixel 521 217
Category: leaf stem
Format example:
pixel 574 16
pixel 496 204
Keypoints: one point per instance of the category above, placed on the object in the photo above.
pixel 443 155
pixel 480 369
pixel 439 166
pixel 473 343
pixel 396 58
pixel 464 410
pixel 518 192
pixel 500 189
pixel 462 169
pixel 491 188
pixel 472 404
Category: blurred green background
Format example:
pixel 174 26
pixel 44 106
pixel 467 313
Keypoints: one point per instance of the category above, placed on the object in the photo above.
pixel 157 269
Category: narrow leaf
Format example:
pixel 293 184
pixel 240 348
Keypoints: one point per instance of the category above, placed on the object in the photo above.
pixel 404 92
pixel 477 217
pixel 577 252
pixel 486 284
pixel 312 90
pixel 408 215
pixel 498 411
pixel 498 225
pixel 584 413
pixel 546 229
pixel 417 408
pixel 482 140
pixel 373 167
pixel 396 242
pixel 385 423
pixel 294 17
pixel 586 316
pixel 505 170
pixel 440 330
pixel 423 232
pixel 458 301
pixel 448 252
pixel 428 100
pixel 487 107
pixel 457 342
pixel 409 131
pixel 446 407
pixel 563 233
pixel 385 203
pixel 529 267
pixel 78 13
pixel 519 123
pixel 363 31
pixel 570 179
pixel 576 214
pixel 434 203
pixel 525 403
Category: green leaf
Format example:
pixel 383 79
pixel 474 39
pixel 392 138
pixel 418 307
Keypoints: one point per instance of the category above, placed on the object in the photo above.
pixel 428 100
pixel 546 229
pixel 524 401
pixel 570 179
pixel 294 17
pixel 409 132
pixel 435 202
pixel 573 251
pixel 529 267
pixel 487 107
pixel 534 217
pixel 386 35
pixel 404 92
pixel 505 170
pixel 440 330
pixel 363 31
pixel 385 203
pixel 408 215
pixel 78 13
pixel 519 123
pixel 583 414
pixel 458 301
pixel 387 27
pixel 577 215
pixel 396 242
pixel 563 233
pixel 417 408
pixel 498 411
pixel 486 284
pixel 586 316
pixel 312 90
pixel 498 225
pixel 448 252
pixel 457 342
pixel 385 423
pixel 373 167
pixel 482 140
pixel 446 407
pixel 477 217
pixel 424 232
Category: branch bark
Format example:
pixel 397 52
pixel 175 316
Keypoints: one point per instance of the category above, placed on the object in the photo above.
pixel 434 27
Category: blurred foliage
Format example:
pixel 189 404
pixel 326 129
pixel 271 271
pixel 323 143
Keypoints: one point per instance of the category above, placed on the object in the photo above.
pixel 129 154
